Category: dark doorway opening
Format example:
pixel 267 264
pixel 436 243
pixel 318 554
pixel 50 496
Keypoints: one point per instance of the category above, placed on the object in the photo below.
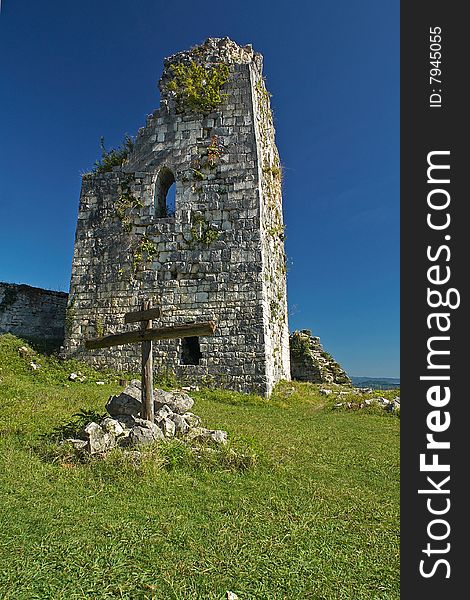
pixel 190 351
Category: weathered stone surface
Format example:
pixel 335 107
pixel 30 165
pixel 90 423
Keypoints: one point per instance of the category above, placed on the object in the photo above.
pixel 383 401
pixel 374 401
pixel 167 426
pixel 219 257
pixel 126 403
pixel 218 436
pixel 148 425
pixel 180 423
pixel 142 436
pixel 112 426
pixel 310 362
pixel 191 419
pixel 98 440
pixel 77 444
pixel 126 421
pixel 202 434
pixel 161 426
pixel 163 412
pixel 32 313
pixel 125 430
pixel 394 405
pixel 25 352
pixel 177 402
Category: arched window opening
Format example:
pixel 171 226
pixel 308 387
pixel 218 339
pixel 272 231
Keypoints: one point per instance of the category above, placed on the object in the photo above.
pixel 165 194
pixel 190 351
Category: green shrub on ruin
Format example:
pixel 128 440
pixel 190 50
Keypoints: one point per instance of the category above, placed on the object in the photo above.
pixel 300 345
pixel 198 88
pixel 114 157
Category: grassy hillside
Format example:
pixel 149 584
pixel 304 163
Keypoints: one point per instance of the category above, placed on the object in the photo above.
pixel 316 517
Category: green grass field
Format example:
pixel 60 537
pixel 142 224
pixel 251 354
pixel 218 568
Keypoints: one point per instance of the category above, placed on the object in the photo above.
pixel 316 517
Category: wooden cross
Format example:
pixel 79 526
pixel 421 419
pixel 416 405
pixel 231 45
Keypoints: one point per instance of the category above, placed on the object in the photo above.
pixel 145 335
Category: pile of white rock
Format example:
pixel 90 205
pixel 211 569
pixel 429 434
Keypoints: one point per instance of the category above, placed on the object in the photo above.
pixel 124 427
pixel 388 405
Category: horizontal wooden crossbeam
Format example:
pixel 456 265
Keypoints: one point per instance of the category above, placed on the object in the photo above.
pixel 159 333
pixel 143 315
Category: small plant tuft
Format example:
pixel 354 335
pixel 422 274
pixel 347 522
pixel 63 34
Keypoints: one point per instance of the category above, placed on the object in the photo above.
pixel 213 152
pixel 202 232
pixel 143 253
pixel 115 157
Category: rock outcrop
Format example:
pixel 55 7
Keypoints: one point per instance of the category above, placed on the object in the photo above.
pixel 310 362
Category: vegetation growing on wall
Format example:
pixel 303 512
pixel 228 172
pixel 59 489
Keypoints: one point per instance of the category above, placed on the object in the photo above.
pixel 300 345
pixel 99 327
pixel 114 157
pixel 126 201
pixel 264 105
pixel 197 174
pixel 213 152
pixel 142 253
pixel 198 88
pixel 274 170
pixel 209 153
pixel 202 232
pixel 278 230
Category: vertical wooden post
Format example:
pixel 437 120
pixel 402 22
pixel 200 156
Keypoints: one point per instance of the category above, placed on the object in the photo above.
pixel 147 370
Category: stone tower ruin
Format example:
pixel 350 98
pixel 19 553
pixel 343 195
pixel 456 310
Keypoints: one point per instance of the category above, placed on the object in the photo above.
pixel 215 252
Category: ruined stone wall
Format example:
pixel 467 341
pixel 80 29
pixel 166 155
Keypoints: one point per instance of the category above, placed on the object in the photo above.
pixel 310 362
pixel 32 313
pixel 220 256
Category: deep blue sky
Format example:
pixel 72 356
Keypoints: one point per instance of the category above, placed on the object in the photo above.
pixel 71 72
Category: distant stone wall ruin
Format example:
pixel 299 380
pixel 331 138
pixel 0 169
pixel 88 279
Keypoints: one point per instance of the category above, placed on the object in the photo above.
pixel 310 362
pixel 32 313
